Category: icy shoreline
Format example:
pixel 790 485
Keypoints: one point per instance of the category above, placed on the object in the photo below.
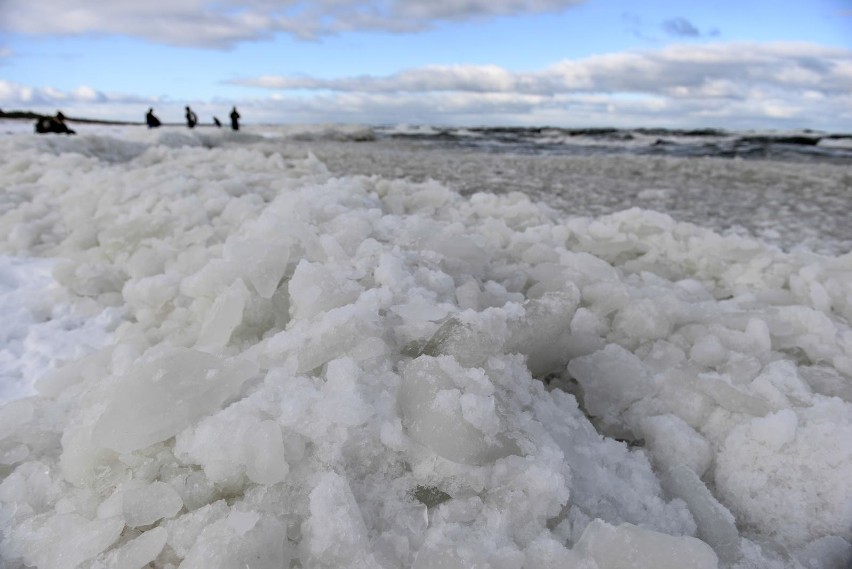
pixel 336 370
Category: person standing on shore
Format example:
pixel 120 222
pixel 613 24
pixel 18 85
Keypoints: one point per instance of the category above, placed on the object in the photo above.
pixel 151 120
pixel 235 119
pixel 191 118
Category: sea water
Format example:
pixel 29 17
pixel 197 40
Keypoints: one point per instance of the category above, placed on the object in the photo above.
pixel 336 346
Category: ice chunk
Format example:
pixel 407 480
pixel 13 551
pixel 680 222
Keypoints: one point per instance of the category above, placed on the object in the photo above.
pixel 671 441
pixel 136 553
pixel 716 524
pixel 145 505
pixel 319 340
pixel 63 541
pixel 335 533
pixel 264 254
pixel 762 463
pixel 224 316
pixel 612 379
pixel 775 430
pixel 316 288
pixel 232 442
pixel 458 251
pixel 644 319
pixel 265 462
pixel 728 396
pixel 242 539
pixel 830 552
pixel 185 529
pixel 469 338
pixel 13 416
pixel 163 395
pixel 461 427
pixel 546 553
pixel 543 333
pixel 443 557
pixel 630 547
pixel 418 308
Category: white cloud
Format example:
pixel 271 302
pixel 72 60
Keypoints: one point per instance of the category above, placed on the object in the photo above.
pixel 225 23
pixel 784 85
pixel 734 82
pixel 14 94
pixel 713 71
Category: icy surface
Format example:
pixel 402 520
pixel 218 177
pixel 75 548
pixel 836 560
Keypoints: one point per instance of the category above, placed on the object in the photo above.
pixel 41 328
pixel 283 363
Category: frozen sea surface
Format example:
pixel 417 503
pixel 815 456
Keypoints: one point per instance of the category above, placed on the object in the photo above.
pixel 317 347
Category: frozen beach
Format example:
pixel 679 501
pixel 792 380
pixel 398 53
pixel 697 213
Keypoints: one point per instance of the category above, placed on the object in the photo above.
pixel 388 348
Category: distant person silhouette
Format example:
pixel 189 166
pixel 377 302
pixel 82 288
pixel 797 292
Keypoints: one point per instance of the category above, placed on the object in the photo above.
pixel 217 123
pixel 153 122
pixel 191 118
pixel 55 124
pixel 235 119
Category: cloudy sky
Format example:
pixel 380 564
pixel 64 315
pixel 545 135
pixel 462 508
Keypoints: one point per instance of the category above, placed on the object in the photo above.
pixel 738 64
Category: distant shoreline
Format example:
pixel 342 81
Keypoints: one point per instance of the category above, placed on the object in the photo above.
pixel 29 115
pixel 804 136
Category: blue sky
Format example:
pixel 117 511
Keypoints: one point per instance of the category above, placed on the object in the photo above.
pixel 708 63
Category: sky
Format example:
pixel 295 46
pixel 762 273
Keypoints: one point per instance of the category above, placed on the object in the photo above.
pixel 734 64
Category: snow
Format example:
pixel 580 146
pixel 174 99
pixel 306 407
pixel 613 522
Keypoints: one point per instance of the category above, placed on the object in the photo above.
pixel 237 349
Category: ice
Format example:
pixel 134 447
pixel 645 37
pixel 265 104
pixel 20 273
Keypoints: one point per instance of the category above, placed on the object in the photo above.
pixel 145 505
pixel 164 394
pixel 64 540
pixel 336 533
pixel 42 328
pixel 826 553
pixel 612 379
pixel 716 524
pixel 230 542
pixel 672 442
pixel 630 547
pixel 235 442
pixel 224 316
pixel 137 553
pixel 451 412
pixel 316 288
pixel 760 460
pixel 270 351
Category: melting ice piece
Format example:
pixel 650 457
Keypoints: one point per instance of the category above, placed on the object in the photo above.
pixel 612 380
pixel 335 532
pixel 139 552
pixel 716 524
pixel 67 540
pixel 671 441
pixel 242 539
pixel 438 414
pixel 224 316
pixel 265 460
pixel 542 335
pixel 160 397
pixel 469 342
pixel 263 257
pixel 630 547
pixel 145 505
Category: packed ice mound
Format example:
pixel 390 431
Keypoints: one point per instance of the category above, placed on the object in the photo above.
pixel 41 327
pixel 326 372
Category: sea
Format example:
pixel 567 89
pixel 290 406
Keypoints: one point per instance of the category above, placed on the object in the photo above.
pixel 799 146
